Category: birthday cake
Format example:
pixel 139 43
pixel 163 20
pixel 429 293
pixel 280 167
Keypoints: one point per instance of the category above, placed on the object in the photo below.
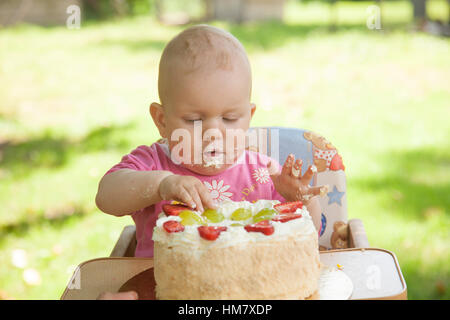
pixel 241 250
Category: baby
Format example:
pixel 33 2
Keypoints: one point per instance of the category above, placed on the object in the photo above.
pixel 204 90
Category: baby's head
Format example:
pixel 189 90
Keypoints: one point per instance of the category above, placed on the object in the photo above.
pixel 204 88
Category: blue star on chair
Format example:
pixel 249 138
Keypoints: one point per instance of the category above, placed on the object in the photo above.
pixel 335 196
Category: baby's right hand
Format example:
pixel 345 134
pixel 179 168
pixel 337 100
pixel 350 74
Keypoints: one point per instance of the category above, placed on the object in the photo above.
pixel 186 189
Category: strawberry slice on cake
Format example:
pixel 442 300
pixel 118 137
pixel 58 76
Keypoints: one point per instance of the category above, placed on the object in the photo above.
pixel 172 226
pixel 174 209
pixel 264 227
pixel 288 207
pixel 210 232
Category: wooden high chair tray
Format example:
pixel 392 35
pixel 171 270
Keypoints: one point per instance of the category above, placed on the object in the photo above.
pixel 375 274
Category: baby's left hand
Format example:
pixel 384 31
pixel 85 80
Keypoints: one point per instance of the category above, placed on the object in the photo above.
pixel 291 185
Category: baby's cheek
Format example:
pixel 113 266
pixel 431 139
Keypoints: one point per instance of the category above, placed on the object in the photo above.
pixel 181 152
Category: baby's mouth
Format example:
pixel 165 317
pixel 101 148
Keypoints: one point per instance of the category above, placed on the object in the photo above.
pixel 214 153
pixel 213 156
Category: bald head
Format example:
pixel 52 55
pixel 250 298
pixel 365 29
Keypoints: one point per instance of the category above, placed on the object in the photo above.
pixel 198 50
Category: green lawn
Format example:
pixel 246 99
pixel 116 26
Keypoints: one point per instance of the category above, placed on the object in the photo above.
pixel 72 102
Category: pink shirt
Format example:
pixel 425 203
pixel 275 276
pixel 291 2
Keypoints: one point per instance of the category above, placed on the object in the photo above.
pixel 248 179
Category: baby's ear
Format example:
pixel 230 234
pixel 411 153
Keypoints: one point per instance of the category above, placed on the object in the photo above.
pixel 157 113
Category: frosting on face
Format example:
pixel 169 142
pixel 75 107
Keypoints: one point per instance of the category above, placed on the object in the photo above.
pixel 215 161
pixel 234 234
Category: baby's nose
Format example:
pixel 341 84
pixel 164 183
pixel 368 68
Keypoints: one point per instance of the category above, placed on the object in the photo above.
pixel 213 125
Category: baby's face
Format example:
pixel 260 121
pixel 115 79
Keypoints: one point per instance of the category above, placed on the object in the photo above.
pixel 215 103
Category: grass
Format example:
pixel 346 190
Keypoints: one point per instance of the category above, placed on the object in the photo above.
pixel 74 101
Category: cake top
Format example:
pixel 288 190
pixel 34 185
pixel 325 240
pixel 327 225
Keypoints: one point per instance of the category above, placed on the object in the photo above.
pixel 232 223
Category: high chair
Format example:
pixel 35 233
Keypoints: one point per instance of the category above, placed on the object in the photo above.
pixel 337 232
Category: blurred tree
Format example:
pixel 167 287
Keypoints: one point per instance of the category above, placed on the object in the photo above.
pixel 104 8
pixel 120 7
pixel 419 10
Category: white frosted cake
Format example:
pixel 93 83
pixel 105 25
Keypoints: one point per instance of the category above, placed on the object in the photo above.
pixel 241 250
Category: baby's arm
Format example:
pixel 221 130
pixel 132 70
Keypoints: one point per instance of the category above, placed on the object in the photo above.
pixel 126 191
pixel 315 210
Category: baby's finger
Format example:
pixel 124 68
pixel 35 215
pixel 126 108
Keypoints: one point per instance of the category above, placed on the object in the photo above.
pixel 186 198
pixel 297 169
pixel 287 166
pixel 272 168
pixel 195 196
pixel 309 174
pixel 206 197
pixel 318 191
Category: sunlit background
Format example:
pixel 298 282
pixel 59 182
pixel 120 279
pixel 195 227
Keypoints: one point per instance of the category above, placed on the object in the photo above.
pixel 372 77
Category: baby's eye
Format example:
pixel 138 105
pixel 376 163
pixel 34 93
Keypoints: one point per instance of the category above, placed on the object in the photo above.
pixel 192 120
pixel 229 119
